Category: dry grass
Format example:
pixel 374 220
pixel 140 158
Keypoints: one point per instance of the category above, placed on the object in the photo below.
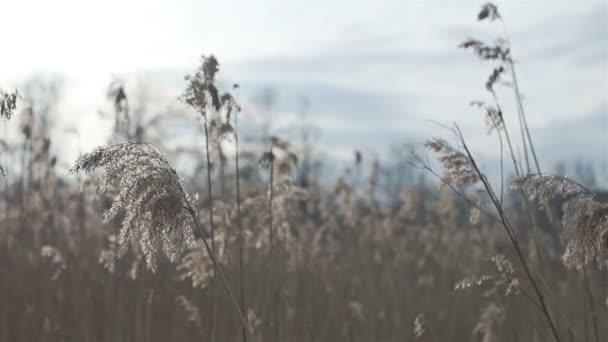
pixel 129 255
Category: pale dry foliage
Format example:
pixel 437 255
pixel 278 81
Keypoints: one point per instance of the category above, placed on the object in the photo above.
pixel 370 256
pixel 8 103
pixel 156 210
pixel 584 219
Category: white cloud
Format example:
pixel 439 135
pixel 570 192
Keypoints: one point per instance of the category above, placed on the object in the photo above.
pixel 383 63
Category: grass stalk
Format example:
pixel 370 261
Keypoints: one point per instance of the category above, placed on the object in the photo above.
pixel 512 237
pixel 239 222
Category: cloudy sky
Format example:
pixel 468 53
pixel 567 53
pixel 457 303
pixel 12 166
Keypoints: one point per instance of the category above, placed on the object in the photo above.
pixel 374 72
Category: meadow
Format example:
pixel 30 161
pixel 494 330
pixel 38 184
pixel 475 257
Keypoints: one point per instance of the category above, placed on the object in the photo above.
pixel 258 246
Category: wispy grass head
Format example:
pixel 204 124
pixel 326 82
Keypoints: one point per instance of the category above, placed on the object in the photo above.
pixel 201 91
pixel 196 264
pixel 584 219
pixel 493 117
pixel 8 103
pixel 456 165
pixel 494 77
pixel 157 210
pixel 500 51
pixel 117 95
pixel 488 11
pixel 544 188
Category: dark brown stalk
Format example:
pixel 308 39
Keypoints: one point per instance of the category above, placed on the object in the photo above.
pixel 149 315
pixel 532 215
pixel 239 222
pixel 211 223
pixel 222 276
pixel 424 166
pixel 506 131
pixel 270 198
pixel 512 237
pixel 502 168
pixel 271 238
pixel 209 190
pixel 592 307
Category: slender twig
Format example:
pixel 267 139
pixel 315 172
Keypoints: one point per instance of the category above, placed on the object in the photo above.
pixel 523 115
pixel 271 237
pixel 518 98
pixel 424 166
pixel 222 275
pixel 149 315
pixel 310 333
pixel 511 233
pixel 211 223
pixel 502 168
pixel 270 199
pixel 238 219
pixel 532 215
pixel 209 190
pixel 591 303
pixel 507 135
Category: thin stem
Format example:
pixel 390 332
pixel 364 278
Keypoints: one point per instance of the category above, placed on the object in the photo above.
pixel 238 221
pixel 271 237
pixel 223 278
pixel 506 130
pixel 511 233
pixel 310 333
pixel 211 223
pixel 209 192
pixel 270 198
pixel 149 315
pixel 459 193
pixel 532 217
pixel 520 106
pixel 502 169
pixel 523 115
pixel 591 303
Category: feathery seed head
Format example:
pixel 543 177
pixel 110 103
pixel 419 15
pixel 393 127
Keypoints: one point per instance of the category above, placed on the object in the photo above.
pixel 543 188
pixel 8 103
pixel 116 93
pixel 192 310
pixel 500 51
pixel 585 221
pixel 420 326
pixel 267 159
pixel 358 157
pixel 158 211
pixel 491 318
pixel 457 167
pixel 201 92
pixel 196 264
pixel 494 77
pixel 488 11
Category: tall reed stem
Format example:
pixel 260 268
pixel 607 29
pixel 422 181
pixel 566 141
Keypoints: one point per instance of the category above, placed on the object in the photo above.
pixel 511 233
pixel 222 275
pixel 522 113
pixel 209 189
pixel 270 199
pixel 238 221
pixel 214 307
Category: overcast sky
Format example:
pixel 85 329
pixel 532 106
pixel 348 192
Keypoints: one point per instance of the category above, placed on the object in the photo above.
pixel 375 72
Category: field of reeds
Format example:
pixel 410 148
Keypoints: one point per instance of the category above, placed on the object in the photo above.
pixel 257 246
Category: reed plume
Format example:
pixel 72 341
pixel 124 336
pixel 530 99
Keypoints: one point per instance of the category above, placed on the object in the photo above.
pixel 148 192
pixel 158 212
pixel 8 103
